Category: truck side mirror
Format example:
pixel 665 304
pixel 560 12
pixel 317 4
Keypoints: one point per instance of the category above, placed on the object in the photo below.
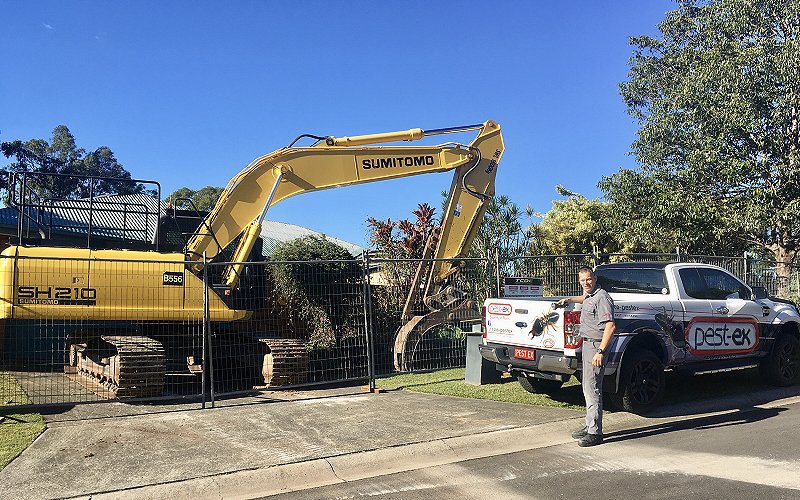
pixel 759 292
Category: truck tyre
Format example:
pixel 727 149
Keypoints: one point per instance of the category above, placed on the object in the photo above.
pixel 539 386
pixel 641 382
pixel 781 367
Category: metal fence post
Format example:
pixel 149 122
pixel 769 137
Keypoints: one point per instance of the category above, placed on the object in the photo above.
pixel 205 332
pixel 208 364
pixel 91 213
pixel 745 270
pixel 487 275
pixel 497 271
pixel 367 295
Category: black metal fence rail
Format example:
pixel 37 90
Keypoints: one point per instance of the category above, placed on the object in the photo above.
pixel 185 332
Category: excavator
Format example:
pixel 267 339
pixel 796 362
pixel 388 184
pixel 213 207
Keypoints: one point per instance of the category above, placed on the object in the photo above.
pixel 88 300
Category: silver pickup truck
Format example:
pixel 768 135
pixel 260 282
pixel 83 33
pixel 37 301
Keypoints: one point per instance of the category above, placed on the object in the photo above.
pixel 692 318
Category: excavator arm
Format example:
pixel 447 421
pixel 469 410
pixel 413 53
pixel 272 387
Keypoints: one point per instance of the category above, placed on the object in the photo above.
pixel 344 161
pixel 335 162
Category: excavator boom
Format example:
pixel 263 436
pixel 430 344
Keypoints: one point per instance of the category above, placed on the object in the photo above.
pixel 344 161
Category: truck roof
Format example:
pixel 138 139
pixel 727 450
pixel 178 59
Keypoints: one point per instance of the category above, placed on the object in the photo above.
pixel 635 265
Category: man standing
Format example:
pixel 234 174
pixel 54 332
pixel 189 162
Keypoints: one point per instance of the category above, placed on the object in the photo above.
pixel 597 329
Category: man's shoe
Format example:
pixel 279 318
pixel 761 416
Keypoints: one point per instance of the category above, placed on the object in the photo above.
pixel 580 433
pixel 591 440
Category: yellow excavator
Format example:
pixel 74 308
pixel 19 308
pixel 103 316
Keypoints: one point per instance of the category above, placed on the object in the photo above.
pixel 66 289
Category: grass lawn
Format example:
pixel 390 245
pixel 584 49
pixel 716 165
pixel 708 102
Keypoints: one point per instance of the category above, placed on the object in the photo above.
pixel 680 389
pixel 451 383
pixel 17 430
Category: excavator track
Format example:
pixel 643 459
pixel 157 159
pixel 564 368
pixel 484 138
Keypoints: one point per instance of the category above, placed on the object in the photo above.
pixel 119 366
pixel 286 363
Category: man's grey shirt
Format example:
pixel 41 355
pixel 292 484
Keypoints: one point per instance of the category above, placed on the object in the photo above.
pixel 596 311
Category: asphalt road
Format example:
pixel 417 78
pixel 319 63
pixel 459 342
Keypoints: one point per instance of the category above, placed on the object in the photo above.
pixel 739 454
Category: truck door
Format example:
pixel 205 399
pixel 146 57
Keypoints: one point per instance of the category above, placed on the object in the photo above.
pixel 736 314
pixel 697 315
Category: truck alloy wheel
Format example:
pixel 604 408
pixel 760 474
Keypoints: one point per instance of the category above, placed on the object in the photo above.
pixel 641 384
pixel 782 365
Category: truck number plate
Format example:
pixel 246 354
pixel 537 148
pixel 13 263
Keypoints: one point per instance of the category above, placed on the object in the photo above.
pixel 528 354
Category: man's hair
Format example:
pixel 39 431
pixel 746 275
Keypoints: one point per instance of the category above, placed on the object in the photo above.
pixel 587 270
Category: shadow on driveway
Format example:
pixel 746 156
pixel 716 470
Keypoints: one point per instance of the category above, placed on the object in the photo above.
pixel 742 416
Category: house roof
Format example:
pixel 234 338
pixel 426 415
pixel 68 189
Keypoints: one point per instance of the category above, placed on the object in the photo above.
pixel 273 232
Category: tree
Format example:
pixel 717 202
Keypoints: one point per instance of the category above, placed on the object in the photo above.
pixel 320 283
pixel 62 156
pixel 501 231
pixel 717 98
pixel 576 225
pixel 500 234
pixel 203 199
pixel 566 238
pixel 409 242
pixel 403 239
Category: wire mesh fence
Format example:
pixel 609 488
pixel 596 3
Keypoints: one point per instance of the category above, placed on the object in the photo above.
pixel 781 279
pixel 80 330
pixel 305 324
pixel 557 272
pixel 90 329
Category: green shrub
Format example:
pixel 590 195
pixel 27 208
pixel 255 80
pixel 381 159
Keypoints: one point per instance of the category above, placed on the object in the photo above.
pixel 320 283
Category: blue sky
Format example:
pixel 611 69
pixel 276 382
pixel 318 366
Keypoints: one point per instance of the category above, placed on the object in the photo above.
pixel 188 93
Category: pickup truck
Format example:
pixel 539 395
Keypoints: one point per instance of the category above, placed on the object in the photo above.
pixel 690 318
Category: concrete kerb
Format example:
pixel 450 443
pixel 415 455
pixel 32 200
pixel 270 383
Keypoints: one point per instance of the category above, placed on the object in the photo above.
pixel 449 450
pixel 237 485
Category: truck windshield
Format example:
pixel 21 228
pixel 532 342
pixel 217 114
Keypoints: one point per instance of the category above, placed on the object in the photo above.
pixel 632 280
